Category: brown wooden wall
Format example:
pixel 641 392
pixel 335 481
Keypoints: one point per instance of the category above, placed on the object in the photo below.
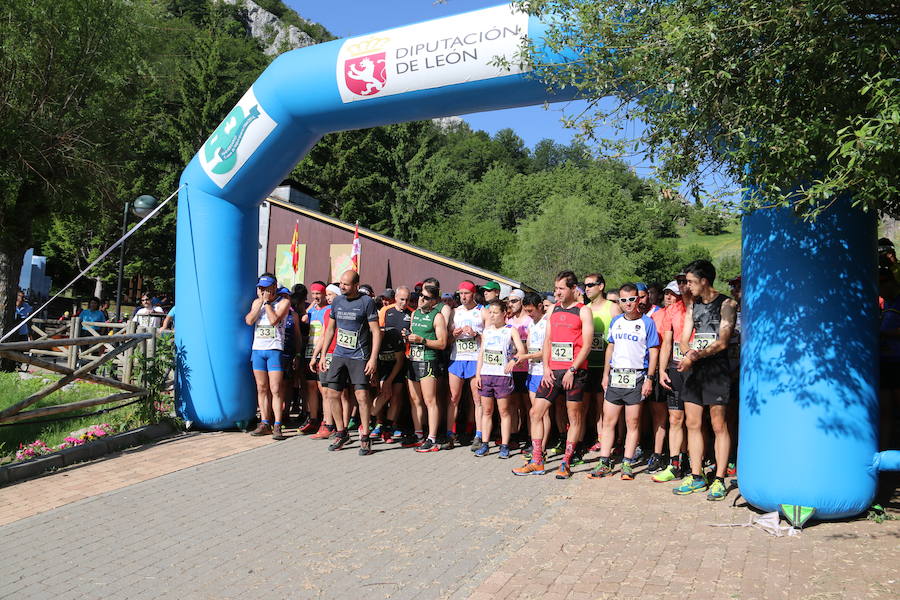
pixel 381 265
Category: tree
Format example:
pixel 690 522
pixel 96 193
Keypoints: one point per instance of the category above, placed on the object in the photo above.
pixel 708 220
pixel 69 69
pixel 804 93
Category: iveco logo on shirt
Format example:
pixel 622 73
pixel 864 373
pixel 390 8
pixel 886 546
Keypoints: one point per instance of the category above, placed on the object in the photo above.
pixel 626 336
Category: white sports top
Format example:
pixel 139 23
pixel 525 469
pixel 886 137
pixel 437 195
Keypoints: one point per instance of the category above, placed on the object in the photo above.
pixel 498 348
pixel 466 348
pixel 536 334
pixel 265 335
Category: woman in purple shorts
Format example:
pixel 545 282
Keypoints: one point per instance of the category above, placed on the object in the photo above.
pixel 500 346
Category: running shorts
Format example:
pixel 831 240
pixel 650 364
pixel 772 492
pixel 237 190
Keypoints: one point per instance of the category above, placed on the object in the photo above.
pixel 673 396
pixel 417 370
pixel 626 396
pixel 266 360
pixel 594 381
pixel 347 371
pixel 464 369
pixel 708 383
pixel 323 375
pixel 552 392
pixel 534 382
pixel 385 368
pixel 496 386
pixel 520 382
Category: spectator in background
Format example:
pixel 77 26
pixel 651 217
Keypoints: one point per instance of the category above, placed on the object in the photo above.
pixel 104 308
pixel 149 315
pixel 92 314
pixel 169 320
pixel 23 309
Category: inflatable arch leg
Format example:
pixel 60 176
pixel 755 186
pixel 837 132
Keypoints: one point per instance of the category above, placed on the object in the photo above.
pixel 809 362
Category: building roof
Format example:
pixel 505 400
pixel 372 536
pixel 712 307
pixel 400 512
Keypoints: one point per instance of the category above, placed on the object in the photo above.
pixel 403 246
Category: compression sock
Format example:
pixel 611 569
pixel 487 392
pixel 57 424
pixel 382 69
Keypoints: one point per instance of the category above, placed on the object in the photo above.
pixel 570 450
pixel 537 451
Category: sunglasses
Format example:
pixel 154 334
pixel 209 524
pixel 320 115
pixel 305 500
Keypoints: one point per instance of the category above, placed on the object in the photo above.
pixel 681 281
pixel 427 298
pixel 590 285
pixel 631 299
pixel 511 300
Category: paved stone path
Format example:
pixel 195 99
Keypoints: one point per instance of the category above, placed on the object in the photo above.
pixel 290 520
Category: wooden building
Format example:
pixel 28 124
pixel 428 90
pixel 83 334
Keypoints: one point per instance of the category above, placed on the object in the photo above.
pixel 325 243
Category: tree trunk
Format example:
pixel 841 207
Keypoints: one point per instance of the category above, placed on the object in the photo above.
pixel 9 285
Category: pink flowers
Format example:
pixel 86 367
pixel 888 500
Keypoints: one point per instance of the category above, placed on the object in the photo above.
pixel 75 438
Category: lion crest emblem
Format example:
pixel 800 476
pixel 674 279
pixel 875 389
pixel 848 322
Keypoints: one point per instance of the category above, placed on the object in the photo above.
pixel 366 75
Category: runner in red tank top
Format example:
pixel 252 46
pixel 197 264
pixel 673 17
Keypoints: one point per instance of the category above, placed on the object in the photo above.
pixel 566 348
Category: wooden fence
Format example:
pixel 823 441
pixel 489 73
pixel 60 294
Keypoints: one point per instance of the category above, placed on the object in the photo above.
pixel 98 352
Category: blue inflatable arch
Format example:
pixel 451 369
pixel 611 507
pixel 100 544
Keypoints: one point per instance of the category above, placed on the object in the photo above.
pixel 809 368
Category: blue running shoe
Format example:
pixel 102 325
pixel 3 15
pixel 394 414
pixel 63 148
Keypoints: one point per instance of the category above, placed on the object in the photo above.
pixel 482 450
pixel 504 451
pixel 689 485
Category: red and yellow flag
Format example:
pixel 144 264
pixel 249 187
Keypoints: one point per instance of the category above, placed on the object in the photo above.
pixel 356 251
pixel 295 247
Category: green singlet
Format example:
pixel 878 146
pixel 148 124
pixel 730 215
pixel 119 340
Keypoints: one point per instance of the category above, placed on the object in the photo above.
pixel 423 325
pixel 602 318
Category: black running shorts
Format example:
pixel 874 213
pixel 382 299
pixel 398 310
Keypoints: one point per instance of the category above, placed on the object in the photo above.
pixel 347 371
pixel 708 383
pixel 552 392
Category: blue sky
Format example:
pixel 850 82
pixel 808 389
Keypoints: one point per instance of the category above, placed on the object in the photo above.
pixel 532 123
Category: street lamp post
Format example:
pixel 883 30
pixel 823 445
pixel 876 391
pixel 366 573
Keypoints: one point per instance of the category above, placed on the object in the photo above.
pixel 141 207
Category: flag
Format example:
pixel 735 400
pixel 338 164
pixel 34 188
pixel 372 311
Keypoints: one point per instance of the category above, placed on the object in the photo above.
pixel 355 252
pixel 295 247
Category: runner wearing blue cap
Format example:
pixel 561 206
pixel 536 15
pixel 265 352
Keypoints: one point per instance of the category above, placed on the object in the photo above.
pixel 266 316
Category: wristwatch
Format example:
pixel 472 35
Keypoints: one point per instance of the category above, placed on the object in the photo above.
pixel 652 377
pixel 572 369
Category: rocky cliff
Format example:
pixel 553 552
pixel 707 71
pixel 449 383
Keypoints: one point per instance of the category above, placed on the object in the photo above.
pixel 276 36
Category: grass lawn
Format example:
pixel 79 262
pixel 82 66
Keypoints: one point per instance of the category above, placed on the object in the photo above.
pixel 13 389
pixel 718 245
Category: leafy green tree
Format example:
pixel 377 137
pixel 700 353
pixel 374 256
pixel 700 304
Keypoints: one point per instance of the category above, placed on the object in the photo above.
pixel 708 220
pixel 805 93
pixel 69 70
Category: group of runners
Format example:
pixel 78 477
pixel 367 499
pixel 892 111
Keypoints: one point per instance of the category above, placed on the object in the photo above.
pixel 561 374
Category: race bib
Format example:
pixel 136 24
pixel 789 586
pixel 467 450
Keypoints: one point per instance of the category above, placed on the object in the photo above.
pixel 677 356
pixel 265 331
pixel 532 350
pixel 562 351
pixel 467 346
pixel 703 340
pixel 598 343
pixel 347 339
pixel 417 352
pixel 624 378
pixel 387 356
pixel 327 361
pixel 493 357
pixel 311 345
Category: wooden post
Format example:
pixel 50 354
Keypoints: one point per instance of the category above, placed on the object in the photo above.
pixel 74 330
pixel 127 367
pixel 151 343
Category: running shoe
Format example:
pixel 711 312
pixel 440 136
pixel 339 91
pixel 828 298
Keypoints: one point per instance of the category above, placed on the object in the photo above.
pixel 578 458
pixel 656 463
pixel 476 444
pixel 428 446
pixel 353 424
pixel 385 435
pixel 412 442
pixel 689 485
pixel 365 447
pixel 717 490
pixel 530 468
pixel 504 451
pixel 602 469
pixel 667 474
pixel 309 427
pixel 556 450
pixel 731 471
pixel 323 433
pixel 564 471
pixel 638 456
pixel 482 450
pixel 277 434
pixel 375 434
pixel 339 441
pixel 527 454
pixel 595 447
pixel 262 429
pixel 395 437
pixel 450 442
pixel 627 470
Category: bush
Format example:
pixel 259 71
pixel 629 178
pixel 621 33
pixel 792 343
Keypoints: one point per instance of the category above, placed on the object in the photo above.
pixel 709 220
